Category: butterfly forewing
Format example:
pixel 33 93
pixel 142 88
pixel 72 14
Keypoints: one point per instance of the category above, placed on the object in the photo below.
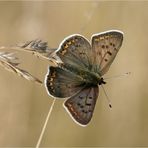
pixel 62 83
pixel 81 105
pixel 105 47
pixel 75 51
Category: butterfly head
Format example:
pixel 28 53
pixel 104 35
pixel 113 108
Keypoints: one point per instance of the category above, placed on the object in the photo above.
pixel 101 81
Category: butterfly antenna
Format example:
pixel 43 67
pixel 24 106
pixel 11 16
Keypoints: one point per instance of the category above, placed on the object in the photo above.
pixel 45 124
pixel 109 102
pixel 118 76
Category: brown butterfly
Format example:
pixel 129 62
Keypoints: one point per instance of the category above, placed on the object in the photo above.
pixel 79 77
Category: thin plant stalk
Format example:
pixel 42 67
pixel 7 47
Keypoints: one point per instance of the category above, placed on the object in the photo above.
pixel 45 124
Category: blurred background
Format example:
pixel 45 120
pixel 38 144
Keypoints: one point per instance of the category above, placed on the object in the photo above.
pixel 24 105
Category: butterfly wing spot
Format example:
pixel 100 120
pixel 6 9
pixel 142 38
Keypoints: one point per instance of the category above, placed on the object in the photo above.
pixel 90 97
pixel 77 45
pixel 107 37
pixel 88 104
pixel 53 74
pixel 105 60
pixel 103 46
pixel 73 41
pixel 76 38
pixel 115 49
pixel 85 111
pixel 99 53
pixel 62 52
pixel 78 104
pixel 102 37
pixel 109 53
pixel 106 46
pixel 65 46
pixel 51 79
pixel 81 106
pixel 72 109
pixel 50 84
pixel 52 89
pixel 69 42
pixel 80 97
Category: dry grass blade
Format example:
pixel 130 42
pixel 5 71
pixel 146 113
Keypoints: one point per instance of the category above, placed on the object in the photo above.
pixel 9 62
pixel 37 47
pixel 41 49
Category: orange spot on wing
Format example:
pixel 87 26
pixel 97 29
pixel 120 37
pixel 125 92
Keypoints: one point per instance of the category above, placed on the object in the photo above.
pixel 97 39
pixel 73 41
pixel 69 43
pixel 72 110
pixel 66 46
pixel 107 36
pixel 63 52
pixel 51 79
pixel 102 38
pixel 54 74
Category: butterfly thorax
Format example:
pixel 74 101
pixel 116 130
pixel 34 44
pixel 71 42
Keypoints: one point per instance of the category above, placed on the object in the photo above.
pixel 91 78
pixel 88 77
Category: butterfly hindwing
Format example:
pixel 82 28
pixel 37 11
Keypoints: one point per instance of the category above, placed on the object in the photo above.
pixel 105 47
pixel 62 83
pixel 81 105
pixel 75 51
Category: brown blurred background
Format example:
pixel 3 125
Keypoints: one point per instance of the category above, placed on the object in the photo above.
pixel 24 105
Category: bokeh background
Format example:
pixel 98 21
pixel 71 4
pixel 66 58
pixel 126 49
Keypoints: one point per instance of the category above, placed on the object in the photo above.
pixel 24 105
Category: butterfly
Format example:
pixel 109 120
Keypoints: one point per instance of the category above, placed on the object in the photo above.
pixel 78 77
